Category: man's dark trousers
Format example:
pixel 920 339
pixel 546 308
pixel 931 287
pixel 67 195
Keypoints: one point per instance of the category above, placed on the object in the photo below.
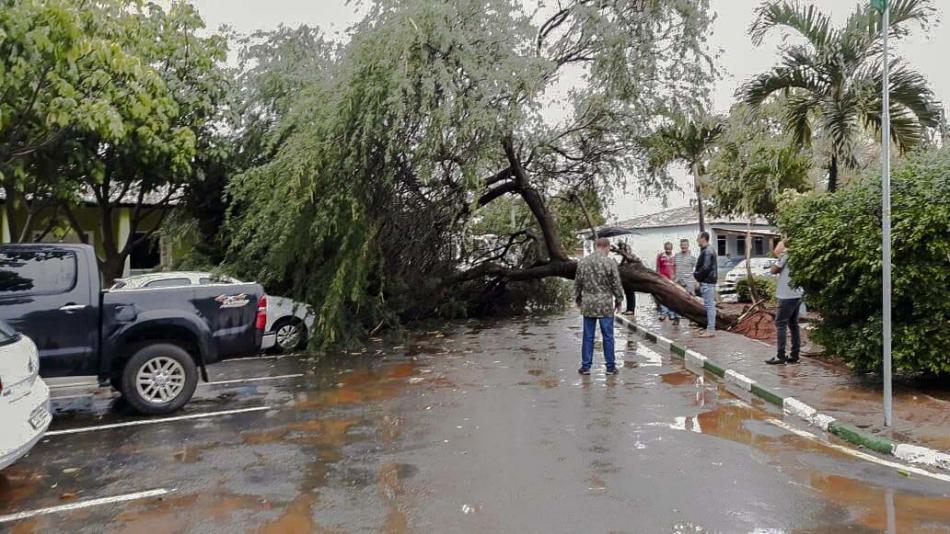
pixel 787 318
pixel 587 347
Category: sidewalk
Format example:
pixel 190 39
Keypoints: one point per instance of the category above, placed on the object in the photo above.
pixel 920 417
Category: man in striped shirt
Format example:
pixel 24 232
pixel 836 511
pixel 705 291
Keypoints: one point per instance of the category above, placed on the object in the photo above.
pixel 683 263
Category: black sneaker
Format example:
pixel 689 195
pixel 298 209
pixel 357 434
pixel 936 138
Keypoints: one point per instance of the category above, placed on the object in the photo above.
pixel 776 361
pixel 584 371
pixel 611 371
pixel 792 360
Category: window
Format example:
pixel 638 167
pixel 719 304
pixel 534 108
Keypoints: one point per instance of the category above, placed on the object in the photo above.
pixel 740 245
pixel 146 254
pixel 168 282
pixel 758 246
pixel 721 245
pixel 37 272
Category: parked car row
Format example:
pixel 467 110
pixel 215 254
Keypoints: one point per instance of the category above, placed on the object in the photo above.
pixel 150 337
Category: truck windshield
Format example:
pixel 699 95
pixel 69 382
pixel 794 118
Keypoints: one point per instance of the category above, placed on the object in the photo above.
pixel 36 272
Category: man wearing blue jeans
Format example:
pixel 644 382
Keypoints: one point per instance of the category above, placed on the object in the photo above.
pixel 598 293
pixel 705 274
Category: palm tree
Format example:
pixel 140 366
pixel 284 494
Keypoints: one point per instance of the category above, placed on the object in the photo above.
pixel 832 82
pixel 687 142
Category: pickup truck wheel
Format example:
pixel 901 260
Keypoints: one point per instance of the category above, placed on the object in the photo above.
pixel 291 334
pixel 159 378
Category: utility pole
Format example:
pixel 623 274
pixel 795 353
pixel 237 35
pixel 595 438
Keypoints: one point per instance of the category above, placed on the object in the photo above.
pixel 884 8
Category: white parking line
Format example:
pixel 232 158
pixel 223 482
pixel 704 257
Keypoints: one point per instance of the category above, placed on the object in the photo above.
pixel 255 379
pixel 155 421
pixel 858 454
pixel 85 504
pixel 275 357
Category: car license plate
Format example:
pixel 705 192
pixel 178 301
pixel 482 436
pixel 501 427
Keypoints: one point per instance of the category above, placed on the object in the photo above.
pixel 39 418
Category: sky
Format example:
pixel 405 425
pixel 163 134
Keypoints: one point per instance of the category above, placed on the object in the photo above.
pixel 739 59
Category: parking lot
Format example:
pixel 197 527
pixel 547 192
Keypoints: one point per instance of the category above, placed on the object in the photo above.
pixel 483 427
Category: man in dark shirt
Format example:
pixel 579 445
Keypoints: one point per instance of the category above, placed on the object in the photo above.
pixel 705 274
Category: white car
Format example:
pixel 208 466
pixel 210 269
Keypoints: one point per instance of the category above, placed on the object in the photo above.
pixel 759 266
pixel 24 397
pixel 292 321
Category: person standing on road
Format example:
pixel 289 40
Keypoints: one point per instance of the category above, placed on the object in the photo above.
pixel 789 302
pixel 599 294
pixel 666 267
pixel 630 296
pixel 705 273
pixel 683 264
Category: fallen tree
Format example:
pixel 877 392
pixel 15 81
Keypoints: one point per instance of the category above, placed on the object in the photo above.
pixel 371 205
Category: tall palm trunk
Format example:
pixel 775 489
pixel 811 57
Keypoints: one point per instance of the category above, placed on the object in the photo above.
pixel 833 174
pixel 699 199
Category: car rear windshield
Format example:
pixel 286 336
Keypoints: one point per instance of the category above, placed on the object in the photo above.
pixel 36 272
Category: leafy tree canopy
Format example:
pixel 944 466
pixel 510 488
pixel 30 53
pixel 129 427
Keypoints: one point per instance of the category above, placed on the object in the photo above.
pixel 434 110
pixel 835 255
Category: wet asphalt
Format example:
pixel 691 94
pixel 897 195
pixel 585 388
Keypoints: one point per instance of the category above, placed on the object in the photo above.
pixel 481 427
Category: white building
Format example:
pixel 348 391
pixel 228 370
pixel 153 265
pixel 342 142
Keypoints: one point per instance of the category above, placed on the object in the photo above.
pixel 646 235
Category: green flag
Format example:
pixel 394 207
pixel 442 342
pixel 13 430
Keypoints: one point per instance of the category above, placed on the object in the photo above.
pixel 879 5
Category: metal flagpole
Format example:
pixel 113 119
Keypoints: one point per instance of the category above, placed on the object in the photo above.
pixel 886 216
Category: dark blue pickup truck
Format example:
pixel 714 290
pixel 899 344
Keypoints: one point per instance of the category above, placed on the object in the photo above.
pixel 149 344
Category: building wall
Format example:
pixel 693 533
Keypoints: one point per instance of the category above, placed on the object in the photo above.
pixel 646 243
pixel 88 218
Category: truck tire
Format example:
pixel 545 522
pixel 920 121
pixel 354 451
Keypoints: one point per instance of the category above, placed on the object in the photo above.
pixel 159 378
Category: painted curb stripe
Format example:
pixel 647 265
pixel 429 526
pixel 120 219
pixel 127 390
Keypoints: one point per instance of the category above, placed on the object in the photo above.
pixel 739 380
pixel 922 455
pixel 766 395
pixel 85 504
pixel 696 362
pixel 713 368
pixel 855 436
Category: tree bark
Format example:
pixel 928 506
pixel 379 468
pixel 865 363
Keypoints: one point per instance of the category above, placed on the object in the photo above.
pixel 699 199
pixel 833 174
pixel 748 263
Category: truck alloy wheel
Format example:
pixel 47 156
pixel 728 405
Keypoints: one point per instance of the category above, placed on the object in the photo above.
pixel 159 378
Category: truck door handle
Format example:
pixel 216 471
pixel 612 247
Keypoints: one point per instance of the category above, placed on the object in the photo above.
pixel 72 307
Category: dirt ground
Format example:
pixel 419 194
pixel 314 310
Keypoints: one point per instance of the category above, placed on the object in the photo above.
pixel 760 325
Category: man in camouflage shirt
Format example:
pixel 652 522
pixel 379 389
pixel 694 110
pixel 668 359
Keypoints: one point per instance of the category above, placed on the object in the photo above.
pixel 598 293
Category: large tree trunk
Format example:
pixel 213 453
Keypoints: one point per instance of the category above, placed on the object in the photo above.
pixel 633 275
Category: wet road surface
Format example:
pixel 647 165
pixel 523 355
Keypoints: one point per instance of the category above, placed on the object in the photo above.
pixel 483 428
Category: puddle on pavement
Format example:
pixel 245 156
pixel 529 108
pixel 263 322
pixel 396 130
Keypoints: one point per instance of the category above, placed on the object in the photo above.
pixel 875 507
pixel 297 518
pixel 182 512
pixel 17 484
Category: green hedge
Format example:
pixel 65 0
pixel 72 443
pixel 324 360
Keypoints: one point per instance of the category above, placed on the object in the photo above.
pixel 835 255
pixel 764 288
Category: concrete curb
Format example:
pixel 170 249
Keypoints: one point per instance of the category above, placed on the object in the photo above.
pixel 698 363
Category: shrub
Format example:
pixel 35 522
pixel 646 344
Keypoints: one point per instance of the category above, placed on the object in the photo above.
pixel 764 288
pixel 835 256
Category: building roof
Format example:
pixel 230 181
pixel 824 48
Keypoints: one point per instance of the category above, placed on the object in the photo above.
pixel 686 216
